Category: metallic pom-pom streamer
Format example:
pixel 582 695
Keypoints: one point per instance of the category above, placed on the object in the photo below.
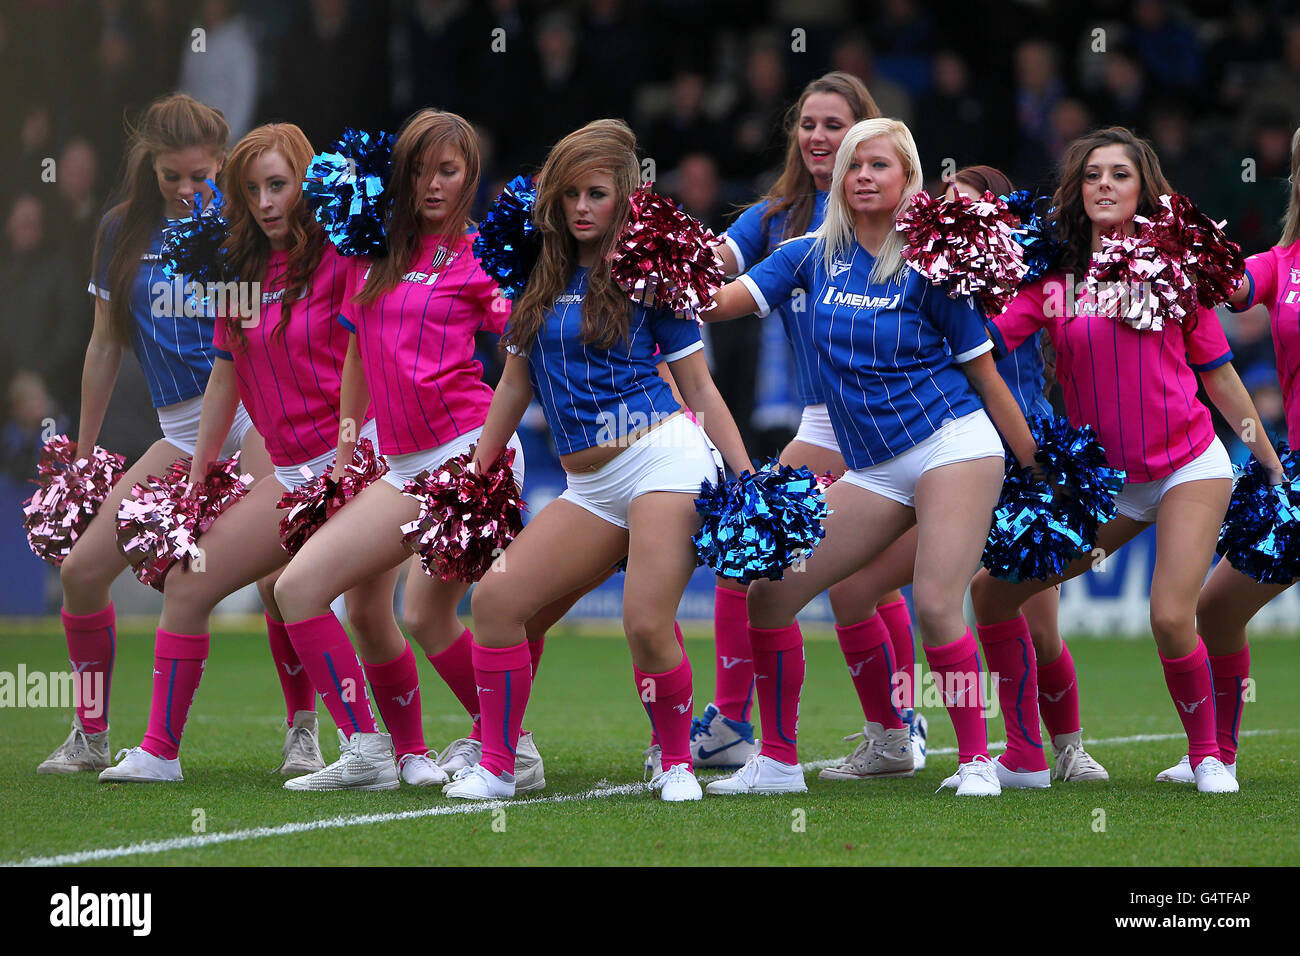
pixel 345 186
pixel 1042 251
pixel 70 493
pixel 466 519
pixel 509 242
pixel 314 502
pixel 666 256
pixel 757 525
pixel 193 247
pixel 1040 527
pixel 1260 536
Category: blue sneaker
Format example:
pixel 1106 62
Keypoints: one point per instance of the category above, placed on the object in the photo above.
pixel 718 741
pixel 918 730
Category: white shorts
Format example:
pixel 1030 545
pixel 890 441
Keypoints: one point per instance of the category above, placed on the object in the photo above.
pixel 971 436
pixel 815 428
pixel 402 468
pixel 1140 500
pixel 180 426
pixel 676 456
pixel 291 476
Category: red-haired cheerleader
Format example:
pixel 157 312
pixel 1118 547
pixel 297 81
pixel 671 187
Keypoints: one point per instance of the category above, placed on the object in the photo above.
pixel 177 146
pixel 634 460
pixel 1135 384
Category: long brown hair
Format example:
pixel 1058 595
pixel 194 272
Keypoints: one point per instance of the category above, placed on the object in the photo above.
pixel 605 145
pixel 795 191
pixel 984 179
pixel 420 142
pixel 170 124
pixel 1291 224
pixel 1070 220
pixel 248 249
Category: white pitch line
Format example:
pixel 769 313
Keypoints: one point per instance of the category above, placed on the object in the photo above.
pixel 333 823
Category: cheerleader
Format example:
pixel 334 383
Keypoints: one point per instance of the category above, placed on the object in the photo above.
pixel 285 364
pixel 1142 403
pixel 634 460
pixel 904 370
pixel 412 317
pixel 177 147
pixel 878 756
pixel 1230 599
pixel 724 735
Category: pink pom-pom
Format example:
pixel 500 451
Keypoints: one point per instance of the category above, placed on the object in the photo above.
pixel 1184 233
pixel 667 256
pixel 311 504
pixel 966 245
pixel 466 519
pixel 161 520
pixel 70 493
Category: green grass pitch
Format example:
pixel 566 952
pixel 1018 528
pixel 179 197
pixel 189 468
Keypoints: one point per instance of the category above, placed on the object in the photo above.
pixel 590 728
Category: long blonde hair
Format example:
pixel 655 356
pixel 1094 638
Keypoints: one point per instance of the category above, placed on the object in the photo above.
pixel 836 232
pixel 1291 224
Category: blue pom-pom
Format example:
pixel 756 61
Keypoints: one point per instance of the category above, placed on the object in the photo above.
pixel 1042 250
pixel 508 242
pixel 345 186
pixel 1039 528
pixel 1260 536
pixel 192 247
pixel 757 525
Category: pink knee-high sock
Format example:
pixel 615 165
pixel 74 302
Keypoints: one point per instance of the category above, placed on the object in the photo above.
pixel 92 646
pixel 178 662
pixel 778 676
pixel 1009 653
pixel 869 653
pixel 1230 674
pixel 898 620
pixel 667 698
pixel 1191 685
pixel 734 676
pixel 299 694
pixel 535 649
pixel 1058 694
pixel 396 686
pixel 681 642
pixel 455 665
pixel 324 649
pixel 504 676
pixel 956 670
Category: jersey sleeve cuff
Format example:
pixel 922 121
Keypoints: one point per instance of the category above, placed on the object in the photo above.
pixel 223 354
pixel 963 357
pixel 682 353
pixel 1212 365
pixel 735 251
pixel 1000 350
pixel 347 323
pixel 97 291
pixel 759 298
pixel 1250 297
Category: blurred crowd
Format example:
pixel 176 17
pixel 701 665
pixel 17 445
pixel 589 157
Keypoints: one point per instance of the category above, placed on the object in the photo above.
pixel 706 84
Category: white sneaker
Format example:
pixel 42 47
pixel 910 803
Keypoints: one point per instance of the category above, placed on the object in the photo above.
pixel 677 784
pixel 477 783
pixel 1181 772
pixel 1021 779
pixel 1073 763
pixel 920 730
pixel 302 746
pixel 529 772
pixel 365 763
pixel 460 754
pixel 81 751
pixel 140 766
pixel 762 775
pixel 652 758
pixel 718 741
pixel 976 778
pixel 419 770
pixel 882 753
pixel 1213 777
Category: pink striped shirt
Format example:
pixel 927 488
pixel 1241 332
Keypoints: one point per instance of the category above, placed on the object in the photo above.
pixel 289 381
pixel 417 345
pixel 1136 389
pixel 1274 278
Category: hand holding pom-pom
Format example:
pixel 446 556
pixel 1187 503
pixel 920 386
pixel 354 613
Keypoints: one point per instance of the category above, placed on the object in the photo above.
pixel 70 493
pixel 313 503
pixel 757 525
pixel 466 518
pixel 1260 536
pixel 345 188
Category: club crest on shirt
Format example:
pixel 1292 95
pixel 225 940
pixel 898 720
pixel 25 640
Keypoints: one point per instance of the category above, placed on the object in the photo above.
pixel 838 268
pixel 441 258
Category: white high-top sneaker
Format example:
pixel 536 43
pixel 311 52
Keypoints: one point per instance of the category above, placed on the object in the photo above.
pixel 529 773
pixel 1073 763
pixel 302 746
pixel 366 762
pixel 460 753
pixel 882 753
pixel 81 751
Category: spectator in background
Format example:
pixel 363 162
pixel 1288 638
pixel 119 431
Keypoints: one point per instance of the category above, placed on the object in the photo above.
pixel 611 48
pixel 1184 164
pixel 1242 56
pixel 1250 335
pixel 224 72
pixel 45 324
pixel 1039 88
pixel 952 119
pixel 1168 47
pixel 903 36
pixel 559 96
pixel 443 80
pixel 685 127
pixel 852 55
pixel 755 123
pixel 1261 382
pixel 158 28
pixel 1122 99
pixel 1250 184
pixel 30 412
pixel 75 214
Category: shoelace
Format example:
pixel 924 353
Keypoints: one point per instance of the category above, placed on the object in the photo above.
pixel 123 752
pixel 75 743
pixel 702 726
pixel 463 747
pixel 1070 758
pixel 648 773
